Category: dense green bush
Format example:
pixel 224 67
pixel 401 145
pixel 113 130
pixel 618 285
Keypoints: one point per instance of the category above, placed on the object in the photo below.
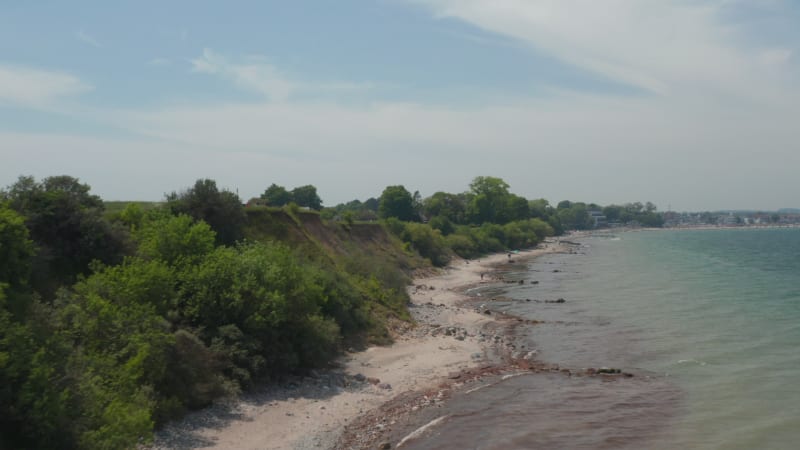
pixel 469 241
pixel 256 302
pixel 69 228
pixel 221 209
pixel 428 242
pixel 176 240
pixel 175 323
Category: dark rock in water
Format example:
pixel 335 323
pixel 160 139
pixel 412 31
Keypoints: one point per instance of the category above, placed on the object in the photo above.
pixel 534 282
pixel 521 281
pixel 556 271
pixel 360 377
pixel 487 312
pixel 527 299
pixel 608 371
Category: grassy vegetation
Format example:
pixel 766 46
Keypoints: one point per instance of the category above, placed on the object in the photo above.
pixel 114 208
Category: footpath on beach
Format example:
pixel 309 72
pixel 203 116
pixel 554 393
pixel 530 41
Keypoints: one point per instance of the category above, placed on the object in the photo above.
pixel 337 408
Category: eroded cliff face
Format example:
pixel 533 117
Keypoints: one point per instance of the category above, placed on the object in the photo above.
pixel 307 232
pixel 375 262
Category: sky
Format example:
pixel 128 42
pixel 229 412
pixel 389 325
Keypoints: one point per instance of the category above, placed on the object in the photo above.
pixel 693 105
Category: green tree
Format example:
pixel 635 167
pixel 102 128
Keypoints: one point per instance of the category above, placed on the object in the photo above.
pixel 307 196
pixel 276 195
pixel 36 409
pixel 491 186
pixel 564 204
pixel 634 212
pixel 540 208
pixel 575 217
pixel 450 206
pixel 121 345
pixel 613 213
pixel 396 202
pixel 428 242
pixel 16 248
pixel 442 224
pixel 222 210
pixel 132 215
pixel 66 222
pixel 516 208
pixel 176 240
pixel 372 204
pixel 255 303
pixel 490 199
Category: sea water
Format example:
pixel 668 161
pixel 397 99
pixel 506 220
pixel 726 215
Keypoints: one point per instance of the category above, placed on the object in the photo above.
pixel 708 320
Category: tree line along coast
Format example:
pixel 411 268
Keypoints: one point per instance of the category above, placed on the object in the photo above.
pixel 117 317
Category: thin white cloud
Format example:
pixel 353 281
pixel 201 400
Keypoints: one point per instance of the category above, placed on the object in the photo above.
pixel 258 76
pixel 666 47
pixel 36 88
pixel 84 37
pixel 255 74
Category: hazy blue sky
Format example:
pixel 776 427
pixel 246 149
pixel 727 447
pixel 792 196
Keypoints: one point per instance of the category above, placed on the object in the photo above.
pixel 690 103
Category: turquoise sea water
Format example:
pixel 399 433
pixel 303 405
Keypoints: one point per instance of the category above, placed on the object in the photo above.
pixel 709 320
pixel 718 312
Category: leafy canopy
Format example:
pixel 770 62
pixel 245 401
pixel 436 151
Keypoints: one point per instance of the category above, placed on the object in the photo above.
pixel 67 225
pixel 397 202
pixel 222 210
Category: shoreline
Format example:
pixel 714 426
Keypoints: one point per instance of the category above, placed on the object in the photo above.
pixel 450 345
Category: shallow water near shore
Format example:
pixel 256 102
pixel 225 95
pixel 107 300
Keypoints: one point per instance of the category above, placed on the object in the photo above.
pixel 708 320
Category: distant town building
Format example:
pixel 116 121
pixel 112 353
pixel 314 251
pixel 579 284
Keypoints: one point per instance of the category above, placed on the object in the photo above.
pixel 598 219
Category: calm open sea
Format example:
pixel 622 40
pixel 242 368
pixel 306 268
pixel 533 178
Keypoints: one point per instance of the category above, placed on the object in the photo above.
pixel 709 320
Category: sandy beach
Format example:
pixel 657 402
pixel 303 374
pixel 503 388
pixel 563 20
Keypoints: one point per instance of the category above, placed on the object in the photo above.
pixel 313 412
